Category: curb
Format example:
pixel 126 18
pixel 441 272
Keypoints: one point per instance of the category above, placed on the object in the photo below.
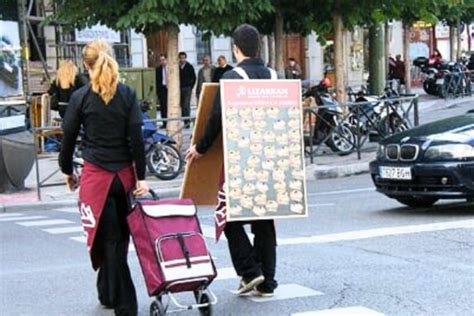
pixel 332 172
pixel 48 205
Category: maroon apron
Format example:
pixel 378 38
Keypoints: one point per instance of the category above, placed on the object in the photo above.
pixel 94 188
pixel 220 214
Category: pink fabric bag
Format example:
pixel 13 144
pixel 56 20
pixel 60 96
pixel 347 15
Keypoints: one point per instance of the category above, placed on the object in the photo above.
pixel 171 248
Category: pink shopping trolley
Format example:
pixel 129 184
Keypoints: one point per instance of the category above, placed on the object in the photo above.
pixel 172 253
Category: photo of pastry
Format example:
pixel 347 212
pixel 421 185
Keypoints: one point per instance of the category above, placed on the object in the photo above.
pixel 245 113
pixel 259 211
pixel 263 175
pixel 293 124
pixel 253 161
pixel 279 125
pixel 235 182
pixel 282 139
pixel 272 206
pixel 235 193
pixel 258 113
pixel 261 199
pixel 283 163
pixel 234 170
pixel 256 137
pixel 268 164
pixel 256 148
pixel 296 185
pixel 273 112
pixel 295 161
pixel 295 148
pixel 283 151
pixel 244 142
pixel 234 156
pixel 260 125
pixel 246 124
pixel 235 210
pixel 269 137
pixel 280 186
pixel 298 174
pixel 231 111
pixel 294 136
pixel 250 174
pixel 232 123
pixel 246 201
pixel 278 174
pixel 269 152
pixel 297 208
pixel 296 195
pixel 294 112
pixel 248 189
pixel 283 198
pixel 262 186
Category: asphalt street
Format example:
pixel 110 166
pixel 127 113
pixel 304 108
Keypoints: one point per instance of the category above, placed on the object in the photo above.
pixel 358 251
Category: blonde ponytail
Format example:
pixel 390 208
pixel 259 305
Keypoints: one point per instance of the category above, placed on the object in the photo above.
pixel 66 74
pixel 105 75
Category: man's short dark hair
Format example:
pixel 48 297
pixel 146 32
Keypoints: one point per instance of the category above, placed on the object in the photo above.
pixel 182 53
pixel 291 59
pixel 246 38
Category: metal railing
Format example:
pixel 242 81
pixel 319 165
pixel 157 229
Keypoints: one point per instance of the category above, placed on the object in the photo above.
pixel 354 127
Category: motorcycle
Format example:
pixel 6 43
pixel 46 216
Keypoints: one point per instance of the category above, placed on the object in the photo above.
pixel 330 127
pixel 434 74
pixel 162 157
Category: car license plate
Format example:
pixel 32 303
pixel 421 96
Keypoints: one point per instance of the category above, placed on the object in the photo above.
pixel 440 81
pixel 395 173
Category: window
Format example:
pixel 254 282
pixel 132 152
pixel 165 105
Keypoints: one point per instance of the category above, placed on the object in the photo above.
pixel 203 46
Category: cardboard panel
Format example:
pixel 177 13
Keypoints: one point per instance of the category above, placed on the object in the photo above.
pixel 201 178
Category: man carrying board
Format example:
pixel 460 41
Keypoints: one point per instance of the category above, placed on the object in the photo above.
pixel 254 264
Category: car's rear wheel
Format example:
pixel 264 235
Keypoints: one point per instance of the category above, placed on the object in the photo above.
pixel 413 201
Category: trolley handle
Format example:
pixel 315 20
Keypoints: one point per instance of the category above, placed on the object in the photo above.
pixel 135 199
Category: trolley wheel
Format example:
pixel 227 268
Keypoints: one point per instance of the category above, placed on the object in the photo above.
pixel 207 310
pixel 157 308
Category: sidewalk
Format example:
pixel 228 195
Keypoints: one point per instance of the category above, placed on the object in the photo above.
pixel 325 166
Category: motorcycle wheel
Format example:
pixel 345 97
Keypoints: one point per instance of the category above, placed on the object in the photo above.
pixel 426 87
pixel 342 140
pixel 164 161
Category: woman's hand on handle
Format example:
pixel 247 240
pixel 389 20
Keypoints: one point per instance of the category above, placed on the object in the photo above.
pixel 142 188
pixel 71 182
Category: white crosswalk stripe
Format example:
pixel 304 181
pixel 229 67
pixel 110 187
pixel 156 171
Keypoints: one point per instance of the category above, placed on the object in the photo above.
pixel 20 218
pixel 45 222
pixel 3 215
pixel 285 292
pixel 64 230
pixel 346 311
pixel 81 239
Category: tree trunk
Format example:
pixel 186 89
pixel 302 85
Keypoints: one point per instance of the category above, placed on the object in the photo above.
pixel 279 45
pixel 271 50
pixel 377 59
pixel 469 37
pixel 387 48
pixel 458 40
pixel 406 56
pixel 174 109
pixel 339 65
pixel 452 42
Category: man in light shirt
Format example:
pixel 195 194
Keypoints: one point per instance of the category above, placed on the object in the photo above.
pixel 205 74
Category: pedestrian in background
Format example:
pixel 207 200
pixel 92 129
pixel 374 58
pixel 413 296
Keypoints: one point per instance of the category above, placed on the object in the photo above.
pixel 162 87
pixel 292 70
pixel 205 74
pixel 114 164
pixel 222 69
pixel 255 264
pixel 66 82
pixel 399 69
pixel 187 79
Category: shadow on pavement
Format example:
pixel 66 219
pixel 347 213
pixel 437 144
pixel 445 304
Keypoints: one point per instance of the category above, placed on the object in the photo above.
pixel 451 208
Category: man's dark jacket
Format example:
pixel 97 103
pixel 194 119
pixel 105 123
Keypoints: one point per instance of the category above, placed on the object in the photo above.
pixel 220 71
pixel 187 76
pixel 255 69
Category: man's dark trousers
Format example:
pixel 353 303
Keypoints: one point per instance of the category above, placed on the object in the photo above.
pixel 163 98
pixel 251 261
pixel 185 103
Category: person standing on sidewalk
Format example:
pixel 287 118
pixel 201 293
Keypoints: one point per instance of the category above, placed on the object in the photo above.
pixel 222 69
pixel 162 88
pixel 114 165
pixel 187 79
pixel 254 264
pixel 293 70
pixel 205 74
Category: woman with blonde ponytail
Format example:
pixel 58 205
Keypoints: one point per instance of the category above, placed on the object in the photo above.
pixel 114 166
pixel 66 82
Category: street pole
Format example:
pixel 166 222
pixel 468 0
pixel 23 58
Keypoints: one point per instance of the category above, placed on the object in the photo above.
pixel 377 58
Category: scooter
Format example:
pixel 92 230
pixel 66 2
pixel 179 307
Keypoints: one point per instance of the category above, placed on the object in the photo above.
pixel 162 157
pixel 330 127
